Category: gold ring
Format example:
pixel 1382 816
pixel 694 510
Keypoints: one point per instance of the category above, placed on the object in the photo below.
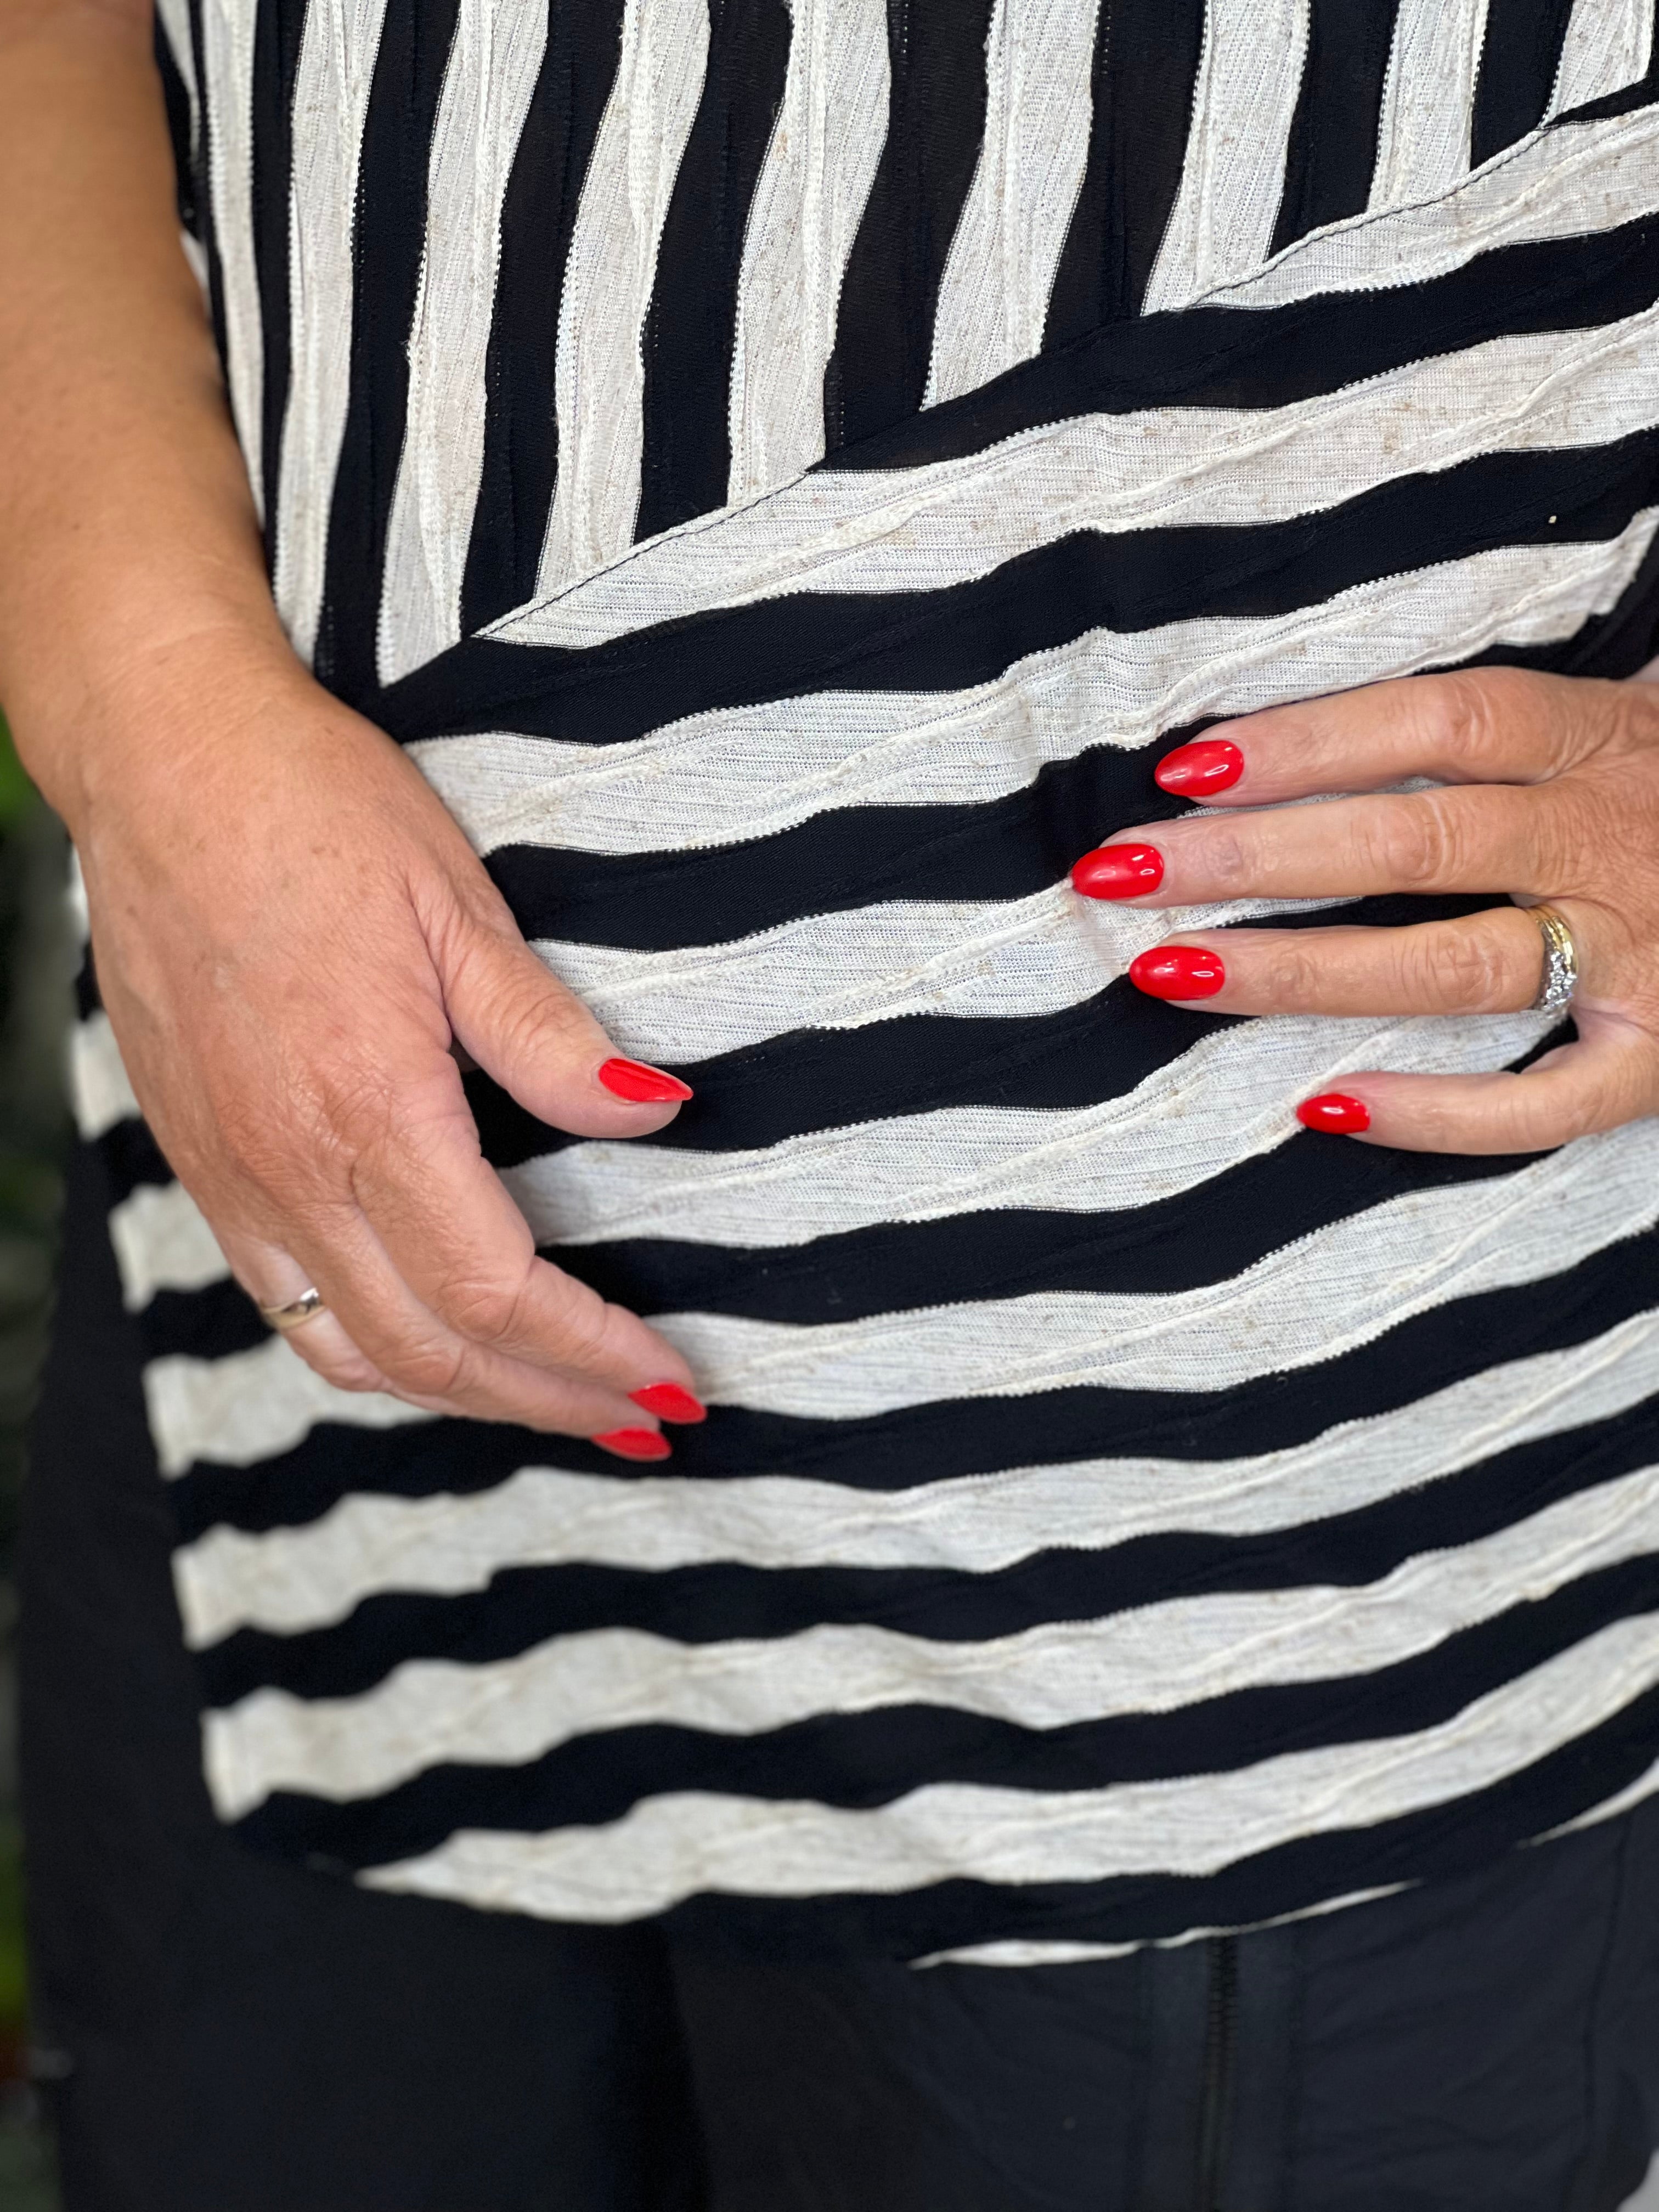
pixel 1561 976
pixel 296 1312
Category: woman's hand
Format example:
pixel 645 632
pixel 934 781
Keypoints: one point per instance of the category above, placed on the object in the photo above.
pixel 290 933
pixel 1549 791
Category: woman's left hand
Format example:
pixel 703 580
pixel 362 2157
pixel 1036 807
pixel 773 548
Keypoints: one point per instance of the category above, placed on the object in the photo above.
pixel 1548 788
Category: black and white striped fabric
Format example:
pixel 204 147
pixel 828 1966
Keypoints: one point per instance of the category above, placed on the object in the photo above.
pixel 787 469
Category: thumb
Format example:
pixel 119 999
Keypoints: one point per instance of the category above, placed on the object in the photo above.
pixel 539 1042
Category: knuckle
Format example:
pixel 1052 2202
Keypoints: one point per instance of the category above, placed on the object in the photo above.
pixel 1290 973
pixel 1415 843
pixel 432 1369
pixel 1465 713
pixel 487 1311
pixel 1458 970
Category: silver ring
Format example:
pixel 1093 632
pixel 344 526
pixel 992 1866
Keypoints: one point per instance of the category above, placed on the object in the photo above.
pixel 296 1312
pixel 1560 977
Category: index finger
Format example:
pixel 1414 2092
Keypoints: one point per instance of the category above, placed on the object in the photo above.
pixel 1474 726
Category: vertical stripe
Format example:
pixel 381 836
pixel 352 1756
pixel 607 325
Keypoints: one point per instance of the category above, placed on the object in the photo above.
pixel 607 290
pixel 1520 63
pixel 811 199
pixel 994 301
pixel 1147 56
pixel 538 221
pixel 228 53
pixel 279 31
pixel 877 371
pixel 1249 79
pixel 689 331
pixel 1332 148
pixel 1428 103
pixel 331 104
pixel 1609 45
pixel 494 63
pixel 409 74
pixel 175 59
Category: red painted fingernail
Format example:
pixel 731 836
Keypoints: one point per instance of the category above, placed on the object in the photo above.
pixel 644 1086
pixel 1336 1111
pixel 670 1403
pixel 1191 771
pixel 1114 872
pixel 636 1443
pixel 1178 971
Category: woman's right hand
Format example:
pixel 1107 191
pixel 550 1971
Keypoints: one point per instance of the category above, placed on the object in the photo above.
pixel 291 935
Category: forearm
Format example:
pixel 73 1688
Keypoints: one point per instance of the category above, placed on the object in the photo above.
pixel 127 532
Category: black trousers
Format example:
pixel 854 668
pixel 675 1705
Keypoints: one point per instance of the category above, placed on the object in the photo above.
pixel 232 2035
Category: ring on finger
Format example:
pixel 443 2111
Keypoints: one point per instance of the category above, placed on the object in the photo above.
pixel 295 1313
pixel 1561 976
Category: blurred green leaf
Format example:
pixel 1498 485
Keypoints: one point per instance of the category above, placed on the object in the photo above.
pixel 17 794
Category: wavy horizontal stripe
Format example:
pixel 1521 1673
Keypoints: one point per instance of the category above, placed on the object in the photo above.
pixel 287 1581
pixel 1225 1101
pixel 162 1241
pixel 671 1846
pixel 1153 1660
pixel 100 1093
pixel 251 1405
pixel 947 521
pixel 1308 1303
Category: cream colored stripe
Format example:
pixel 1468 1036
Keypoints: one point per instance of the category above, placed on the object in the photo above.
pixel 1609 45
pixel 494 63
pixel 1428 101
pixel 250 1406
pixel 287 1580
pixel 1249 74
pixel 805 217
pixel 228 27
pixel 736 773
pixel 162 1243
pixel 1153 1659
pixel 994 960
pixel 910 530
pixel 676 1845
pixel 1326 1294
pixel 599 369
pixel 993 297
pixel 1577 180
pixel 100 1093
pixel 337 50
pixel 1229 1099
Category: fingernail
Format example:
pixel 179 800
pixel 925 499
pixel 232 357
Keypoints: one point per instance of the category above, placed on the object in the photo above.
pixel 1178 971
pixel 1114 871
pixel 1208 764
pixel 670 1403
pixel 636 1443
pixel 1336 1111
pixel 644 1086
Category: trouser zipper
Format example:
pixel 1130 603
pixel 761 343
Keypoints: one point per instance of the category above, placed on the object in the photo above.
pixel 1220 2024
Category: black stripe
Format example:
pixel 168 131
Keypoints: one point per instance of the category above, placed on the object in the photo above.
pixel 1519 61
pixel 878 372
pixel 689 332
pixel 539 218
pixel 175 100
pixel 1203 1235
pixel 1146 54
pixel 522 1607
pixel 389 243
pixel 972 633
pixel 867 1759
pixel 1332 152
pixel 964 1436
pixel 276 34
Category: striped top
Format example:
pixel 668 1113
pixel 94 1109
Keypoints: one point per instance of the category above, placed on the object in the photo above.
pixel 787 469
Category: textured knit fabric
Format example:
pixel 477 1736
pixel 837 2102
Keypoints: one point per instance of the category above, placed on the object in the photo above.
pixel 786 473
